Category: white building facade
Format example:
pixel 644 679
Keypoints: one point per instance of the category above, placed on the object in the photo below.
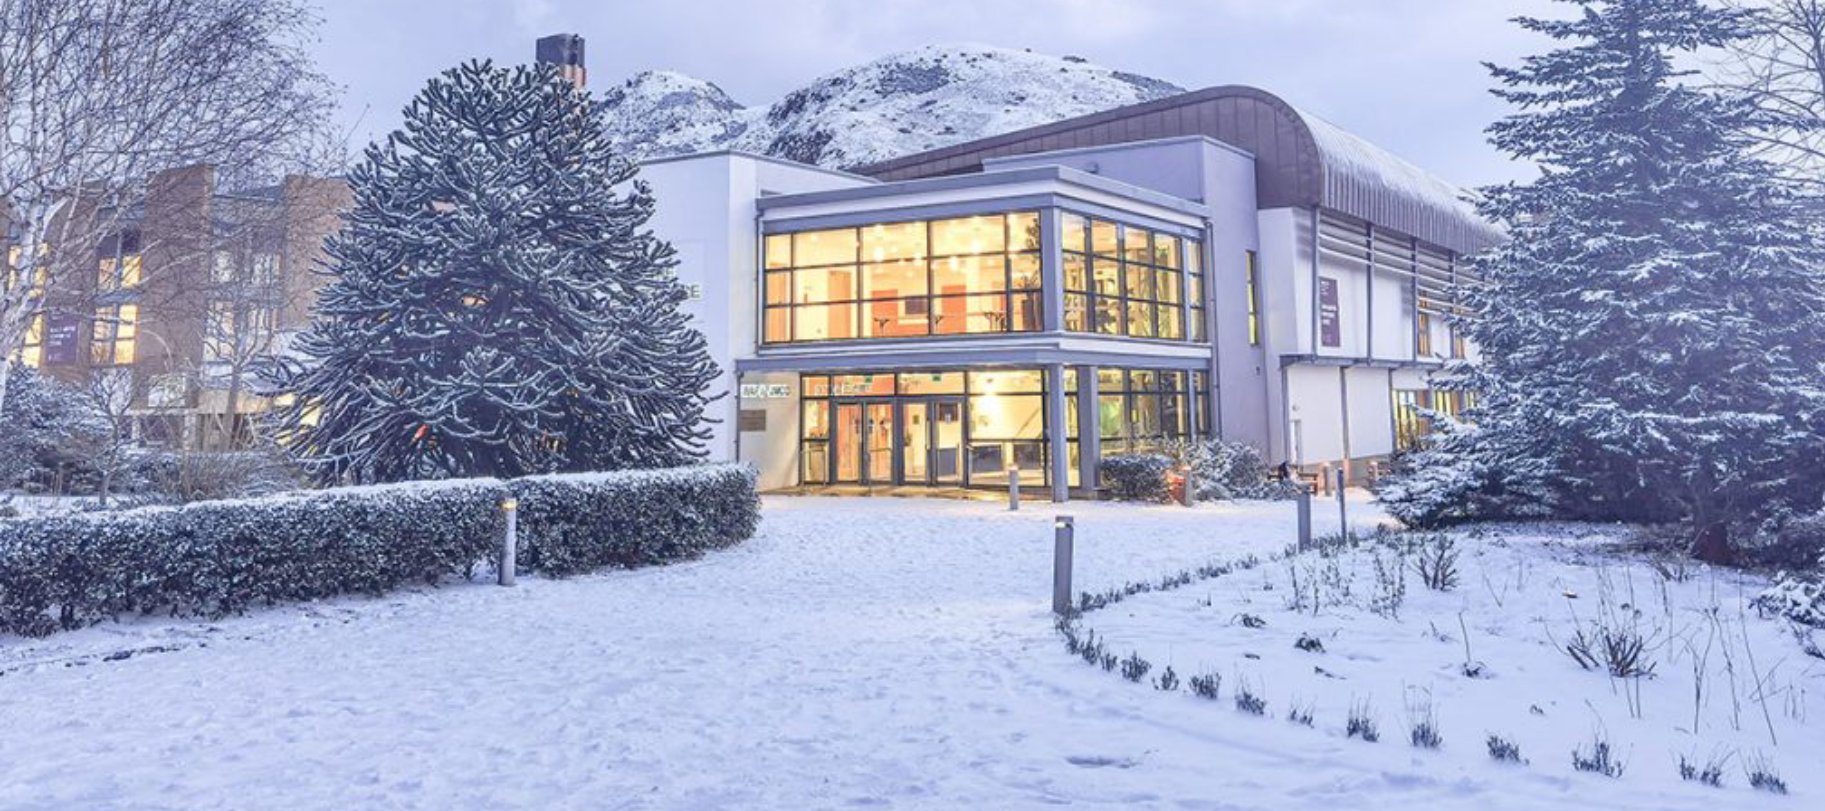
pixel 1215 264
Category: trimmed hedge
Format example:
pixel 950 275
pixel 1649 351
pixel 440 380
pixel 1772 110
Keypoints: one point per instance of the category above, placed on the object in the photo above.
pixel 1137 477
pixel 216 558
pixel 577 522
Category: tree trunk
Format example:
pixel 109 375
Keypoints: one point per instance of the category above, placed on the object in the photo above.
pixel 1711 544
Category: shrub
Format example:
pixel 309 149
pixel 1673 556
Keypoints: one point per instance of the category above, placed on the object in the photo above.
pixel 1621 651
pixel 1228 470
pixel 1361 723
pixel 1248 701
pixel 197 476
pixel 1435 561
pixel 578 522
pixel 1137 477
pixel 1168 680
pixel 215 558
pixel 1422 724
pixel 1503 750
pixel 1300 714
pixel 1134 668
pixel 1598 759
pixel 1207 686
pixel 1763 777
pixel 1711 775
pixel 1800 598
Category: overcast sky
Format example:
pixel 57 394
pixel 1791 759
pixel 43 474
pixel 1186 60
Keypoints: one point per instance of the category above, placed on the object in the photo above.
pixel 1406 74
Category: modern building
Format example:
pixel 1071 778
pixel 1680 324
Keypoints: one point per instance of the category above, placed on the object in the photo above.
pixel 171 301
pixel 1215 264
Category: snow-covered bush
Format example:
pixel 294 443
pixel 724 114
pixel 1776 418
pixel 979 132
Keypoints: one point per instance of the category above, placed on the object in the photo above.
pixel 214 558
pixel 1799 598
pixel 1228 470
pixel 1137 477
pixel 576 522
pixel 220 557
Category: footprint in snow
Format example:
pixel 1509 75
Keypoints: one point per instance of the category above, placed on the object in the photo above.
pixel 1099 762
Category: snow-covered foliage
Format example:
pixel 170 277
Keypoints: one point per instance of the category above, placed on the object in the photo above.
pixel 1136 476
pixel 1224 470
pixel 220 557
pixel 1551 630
pixel 1653 338
pixel 897 105
pixel 578 522
pixel 46 429
pixel 497 306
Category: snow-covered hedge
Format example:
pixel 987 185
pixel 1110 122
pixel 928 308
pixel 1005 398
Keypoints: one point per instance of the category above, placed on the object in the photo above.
pixel 1137 477
pixel 576 522
pixel 218 557
pixel 1222 471
pixel 215 558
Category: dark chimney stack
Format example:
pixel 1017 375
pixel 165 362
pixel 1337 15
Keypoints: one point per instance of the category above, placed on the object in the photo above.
pixel 566 52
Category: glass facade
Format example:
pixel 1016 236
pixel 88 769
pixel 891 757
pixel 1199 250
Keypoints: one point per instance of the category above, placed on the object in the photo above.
pixel 1128 280
pixel 961 276
pixel 1138 409
pixel 929 427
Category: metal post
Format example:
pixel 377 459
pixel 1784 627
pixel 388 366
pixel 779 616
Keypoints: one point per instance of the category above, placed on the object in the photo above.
pixel 1014 487
pixel 1343 509
pixel 1063 530
pixel 1304 503
pixel 510 543
pixel 1191 486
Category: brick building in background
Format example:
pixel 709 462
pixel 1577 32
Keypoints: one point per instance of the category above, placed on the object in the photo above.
pixel 178 299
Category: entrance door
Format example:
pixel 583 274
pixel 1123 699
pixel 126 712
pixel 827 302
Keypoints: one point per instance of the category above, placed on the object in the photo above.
pixel 947 441
pixel 847 444
pixel 881 436
pixel 915 443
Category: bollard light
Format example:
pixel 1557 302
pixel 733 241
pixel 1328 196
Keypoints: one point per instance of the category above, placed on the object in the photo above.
pixel 1014 487
pixel 1063 529
pixel 509 541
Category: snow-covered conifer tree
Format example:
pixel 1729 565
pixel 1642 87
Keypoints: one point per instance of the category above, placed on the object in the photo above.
pixel 1653 340
pixel 497 305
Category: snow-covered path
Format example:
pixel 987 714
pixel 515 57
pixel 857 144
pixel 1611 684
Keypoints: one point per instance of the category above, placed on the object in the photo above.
pixel 856 653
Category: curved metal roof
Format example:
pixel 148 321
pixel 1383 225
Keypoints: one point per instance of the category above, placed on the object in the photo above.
pixel 1301 160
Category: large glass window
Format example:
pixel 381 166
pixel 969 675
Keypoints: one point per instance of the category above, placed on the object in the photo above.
pixel 961 276
pixel 1127 280
pixel 1138 409
pixel 115 335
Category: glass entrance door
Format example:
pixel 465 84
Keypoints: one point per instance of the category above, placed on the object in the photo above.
pixel 915 443
pixel 881 436
pixel 947 441
pixel 848 443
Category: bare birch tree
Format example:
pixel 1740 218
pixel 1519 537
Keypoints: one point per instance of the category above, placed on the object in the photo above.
pixel 1783 67
pixel 97 94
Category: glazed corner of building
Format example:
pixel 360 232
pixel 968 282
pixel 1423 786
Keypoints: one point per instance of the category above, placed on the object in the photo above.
pixel 1331 286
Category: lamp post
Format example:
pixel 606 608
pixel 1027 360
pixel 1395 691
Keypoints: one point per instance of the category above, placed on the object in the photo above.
pixel 1014 487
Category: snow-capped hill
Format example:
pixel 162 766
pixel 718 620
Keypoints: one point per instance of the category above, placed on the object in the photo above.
pixel 661 112
pixel 897 105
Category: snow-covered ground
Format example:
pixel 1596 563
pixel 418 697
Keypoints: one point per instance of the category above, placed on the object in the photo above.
pixel 856 653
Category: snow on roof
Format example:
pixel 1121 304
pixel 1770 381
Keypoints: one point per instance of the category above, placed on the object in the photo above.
pixel 1348 158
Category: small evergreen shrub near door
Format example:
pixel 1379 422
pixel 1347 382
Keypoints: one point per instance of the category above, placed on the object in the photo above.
pixel 1137 477
pixel 215 558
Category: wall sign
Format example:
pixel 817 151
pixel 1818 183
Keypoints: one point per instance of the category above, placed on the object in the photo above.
pixel 752 419
pixel 1330 331
pixel 60 337
pixel 765 391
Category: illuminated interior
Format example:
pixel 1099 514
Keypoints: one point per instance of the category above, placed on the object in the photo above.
pixel 963 276
pixel 1128 280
